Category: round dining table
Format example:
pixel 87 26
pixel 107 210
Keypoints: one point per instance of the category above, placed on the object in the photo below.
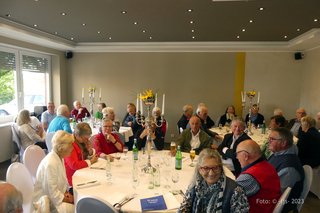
pixel 92 181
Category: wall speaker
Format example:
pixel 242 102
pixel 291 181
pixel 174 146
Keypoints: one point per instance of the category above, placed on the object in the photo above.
pixel 298 55
pixel 69 54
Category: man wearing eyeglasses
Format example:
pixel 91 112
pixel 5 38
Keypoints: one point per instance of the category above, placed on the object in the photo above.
pixel 229 145
pixel 287 164
pixel 258 178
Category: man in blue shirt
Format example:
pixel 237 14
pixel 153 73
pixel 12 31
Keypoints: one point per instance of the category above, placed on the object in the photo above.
pixel 61 121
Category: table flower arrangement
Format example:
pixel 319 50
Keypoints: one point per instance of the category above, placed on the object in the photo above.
pixel 251 94
pixel 148 97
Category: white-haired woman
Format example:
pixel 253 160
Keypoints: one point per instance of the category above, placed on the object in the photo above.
pixel 156 112
pixel 51 175
pixel 210 190
pixel 108 112
pixel 28 134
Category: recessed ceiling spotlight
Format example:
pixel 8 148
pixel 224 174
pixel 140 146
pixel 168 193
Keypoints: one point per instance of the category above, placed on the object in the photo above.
pixel 150 37
pixel 35 25
pixel 110 38
pixel 135 23
pixel 98 32
pixel 143 31
pixel 63 14
pixel 238 37
pixel 84 24
pixel 36 0
pixel 71 38
pixel 261 8
pixel 315 20
pixel 56 33
pixel 285 36
pixel 8 15
pixel 124 12
pixel 192 31
pixel 298 29
pixel 250 21
pixel 190 10
pixel 191 22
pixel 193 37
pixel 243 30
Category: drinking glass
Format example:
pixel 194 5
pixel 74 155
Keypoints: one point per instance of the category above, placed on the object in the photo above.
pixel 192 156
pixel 173 149
pixel 118 156
pixel 125 151
pixel 175 179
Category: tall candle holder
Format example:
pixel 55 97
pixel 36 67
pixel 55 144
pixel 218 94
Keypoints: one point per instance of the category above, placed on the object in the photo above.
pixel 250 95
pixel 148 98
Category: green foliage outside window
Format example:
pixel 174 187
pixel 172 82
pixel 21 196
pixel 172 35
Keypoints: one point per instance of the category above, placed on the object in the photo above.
pixel 6 86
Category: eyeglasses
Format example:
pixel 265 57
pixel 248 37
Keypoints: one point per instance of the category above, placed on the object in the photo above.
pixel 274 139
pixel 107 126
pixel 207 169
pixel 241 151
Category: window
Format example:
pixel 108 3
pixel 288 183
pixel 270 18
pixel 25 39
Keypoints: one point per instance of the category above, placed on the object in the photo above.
pixel 24 80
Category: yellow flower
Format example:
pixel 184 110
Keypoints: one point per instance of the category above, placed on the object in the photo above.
pixel 91 89
pixel 251 93
pixel 147 95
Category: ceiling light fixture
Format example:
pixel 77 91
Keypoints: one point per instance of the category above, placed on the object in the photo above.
pixel 150 37
pixel 124 12
pixel 261 8
pixel 190 10
pixel 8 15
pixel 135 23
pixel 35 25
pixel 84 24
pixel 315 20
pixel 238 37
pixel 110 38
pixel 71 38
pixel 143 31
pixel 243 30
pixel 191 22
pixel 193 37
pixel 63 14
pixel 56 33
pixel 298 29
pixel 98 32
pixel 192 31
pixel 285 36
pixel 250 21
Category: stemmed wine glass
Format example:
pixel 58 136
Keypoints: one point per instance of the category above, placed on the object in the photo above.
pixel 192 156
pixel 125 151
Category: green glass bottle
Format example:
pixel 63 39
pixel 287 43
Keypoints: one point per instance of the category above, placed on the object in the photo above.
pixel 135 150
pixel 179 159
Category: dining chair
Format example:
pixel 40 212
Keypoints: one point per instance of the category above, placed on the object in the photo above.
pixel 87 204
pixel 308 175
pixel 31 159
pixel 315 186
pixel 16 142
pixel 49 137
pixel 19 176
pixel 282 201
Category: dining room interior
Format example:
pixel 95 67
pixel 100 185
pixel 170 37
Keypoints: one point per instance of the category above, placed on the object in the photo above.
pixel 193 52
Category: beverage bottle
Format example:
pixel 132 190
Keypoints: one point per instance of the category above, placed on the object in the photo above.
pixel 135 150
pixel 178 159
pixel 74 122
pixel 263 128
pixel 150 174
pixel 157 177
pixel 108 171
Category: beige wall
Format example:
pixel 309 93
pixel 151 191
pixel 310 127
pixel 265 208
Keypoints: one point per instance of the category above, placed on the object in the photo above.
pixel 310 89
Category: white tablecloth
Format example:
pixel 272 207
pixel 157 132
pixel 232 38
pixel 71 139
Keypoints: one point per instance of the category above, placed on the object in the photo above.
pixel 121 185
pixel 126 132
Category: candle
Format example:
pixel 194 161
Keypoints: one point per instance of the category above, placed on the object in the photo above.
pixel 100 94
pixel 242 97
pixel 82 95
pixel 137 104
pixel 93 91
pixel 258 101
pixel 163 101
pixel 156 100
pixel 141 106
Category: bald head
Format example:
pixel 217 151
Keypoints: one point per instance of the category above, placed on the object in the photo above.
pixel 10 198
pixel 248 151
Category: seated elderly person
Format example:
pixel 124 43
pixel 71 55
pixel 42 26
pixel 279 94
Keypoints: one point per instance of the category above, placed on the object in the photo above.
pixel 48 115
pixel 61 121
pixel 99 113
pixel 194 138
pixel 107 142
pixel 82 155
pixel 309 143
pixel 156 112
pixel 255 117
pixel 79 112
pixel 109 113
pixel 51 177
pixel 130 121
pixel 210 190
pixel 287 164
pixel 30 135
pixel 228 116
pixel 10 199
pixel 258 178
pixel 295 123
pixel 228 147
pixel 184 120
pixel 156 136
pixel 206 121
pixel 277 121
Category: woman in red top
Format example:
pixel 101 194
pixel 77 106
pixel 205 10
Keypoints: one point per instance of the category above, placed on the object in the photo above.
pixel 83 155
pixel 107 142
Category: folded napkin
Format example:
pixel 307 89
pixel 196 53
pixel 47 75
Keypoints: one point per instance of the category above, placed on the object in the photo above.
pixel 87 184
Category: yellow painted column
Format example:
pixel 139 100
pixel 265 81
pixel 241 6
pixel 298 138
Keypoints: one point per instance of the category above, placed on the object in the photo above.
pixel 239 81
